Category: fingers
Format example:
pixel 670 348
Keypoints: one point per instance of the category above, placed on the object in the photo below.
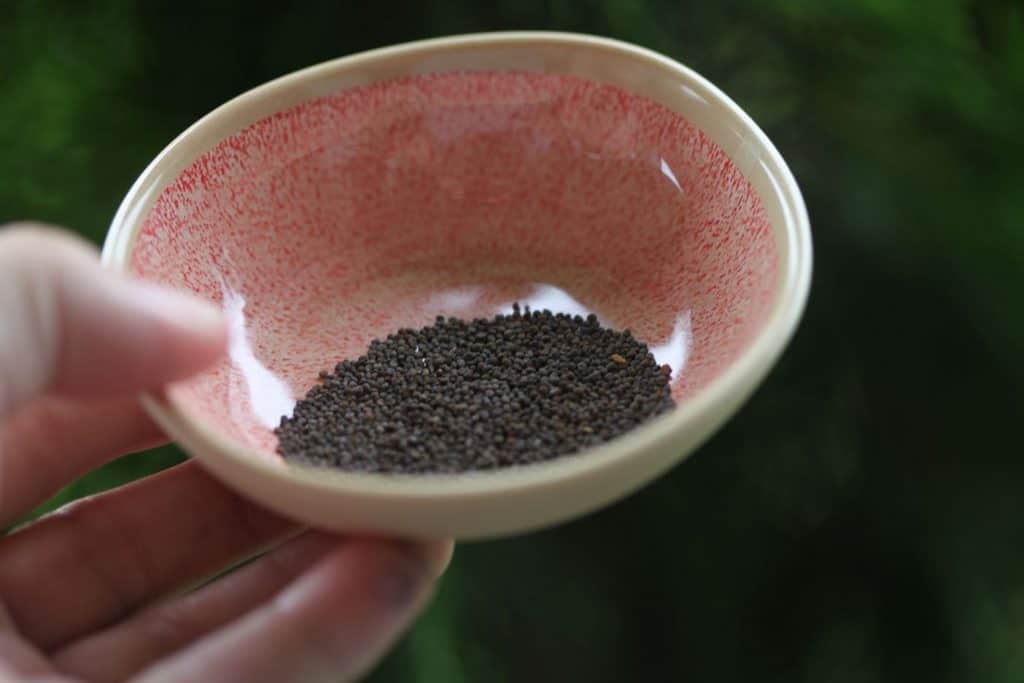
pixel 332 624
pixel 18 658
pixel 52 441
pixel 72 328
pixel 158 631
pixel 92 563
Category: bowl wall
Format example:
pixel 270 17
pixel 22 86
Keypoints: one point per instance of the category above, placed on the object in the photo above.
pixel 453 176
pixel 347 217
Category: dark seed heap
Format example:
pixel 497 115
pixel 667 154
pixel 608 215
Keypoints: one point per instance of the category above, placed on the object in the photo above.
pixel 457 396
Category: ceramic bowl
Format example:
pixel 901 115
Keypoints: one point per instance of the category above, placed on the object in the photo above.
pixel 452 177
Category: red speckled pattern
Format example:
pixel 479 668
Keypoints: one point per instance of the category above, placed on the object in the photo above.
pixel 349 216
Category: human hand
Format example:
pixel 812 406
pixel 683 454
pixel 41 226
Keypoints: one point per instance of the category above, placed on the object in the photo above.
pixel 95 591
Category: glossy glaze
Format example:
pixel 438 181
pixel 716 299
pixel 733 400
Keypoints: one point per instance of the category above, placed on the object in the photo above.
pixel 342 219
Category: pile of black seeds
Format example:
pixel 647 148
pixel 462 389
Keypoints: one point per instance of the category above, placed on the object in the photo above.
pixel 458 396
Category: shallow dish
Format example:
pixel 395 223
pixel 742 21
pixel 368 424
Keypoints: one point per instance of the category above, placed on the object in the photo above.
pixel 452 177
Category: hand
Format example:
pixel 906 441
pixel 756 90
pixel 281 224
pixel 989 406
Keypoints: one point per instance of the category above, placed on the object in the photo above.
pixel 95 591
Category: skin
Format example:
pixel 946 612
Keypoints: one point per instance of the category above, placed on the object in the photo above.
pixel 103 589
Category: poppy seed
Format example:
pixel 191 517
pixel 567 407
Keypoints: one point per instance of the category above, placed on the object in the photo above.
pixel 462 395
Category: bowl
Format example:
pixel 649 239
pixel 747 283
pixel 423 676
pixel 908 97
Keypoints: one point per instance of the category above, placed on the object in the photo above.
pixel 454 176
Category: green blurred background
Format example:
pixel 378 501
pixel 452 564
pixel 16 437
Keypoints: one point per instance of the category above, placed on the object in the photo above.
pixel 860 520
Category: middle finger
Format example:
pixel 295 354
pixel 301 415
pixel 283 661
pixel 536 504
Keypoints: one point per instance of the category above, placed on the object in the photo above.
pixel 48 443
pixel 93 562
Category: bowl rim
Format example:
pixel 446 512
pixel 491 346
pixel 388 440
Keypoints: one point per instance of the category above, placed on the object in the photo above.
pixel 710 405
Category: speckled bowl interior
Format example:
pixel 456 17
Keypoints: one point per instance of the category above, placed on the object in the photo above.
pixel 452 186
pixel 354 214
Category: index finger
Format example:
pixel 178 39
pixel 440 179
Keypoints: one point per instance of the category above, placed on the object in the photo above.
pixel 68 328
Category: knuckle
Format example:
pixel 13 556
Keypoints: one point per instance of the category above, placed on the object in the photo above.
pixel 46 420
pixel 167 627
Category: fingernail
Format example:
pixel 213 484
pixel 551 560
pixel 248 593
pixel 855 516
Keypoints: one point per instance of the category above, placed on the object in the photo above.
pixel 415 566
pixel 400 583
pixel 438 556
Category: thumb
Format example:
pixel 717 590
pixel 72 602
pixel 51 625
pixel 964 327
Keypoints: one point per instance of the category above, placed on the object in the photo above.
pixel 69 327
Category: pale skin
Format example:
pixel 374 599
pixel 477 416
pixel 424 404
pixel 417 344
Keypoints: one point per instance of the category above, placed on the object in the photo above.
pixel 104 589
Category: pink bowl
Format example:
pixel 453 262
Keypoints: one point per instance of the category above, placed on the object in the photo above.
pixel 453 177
